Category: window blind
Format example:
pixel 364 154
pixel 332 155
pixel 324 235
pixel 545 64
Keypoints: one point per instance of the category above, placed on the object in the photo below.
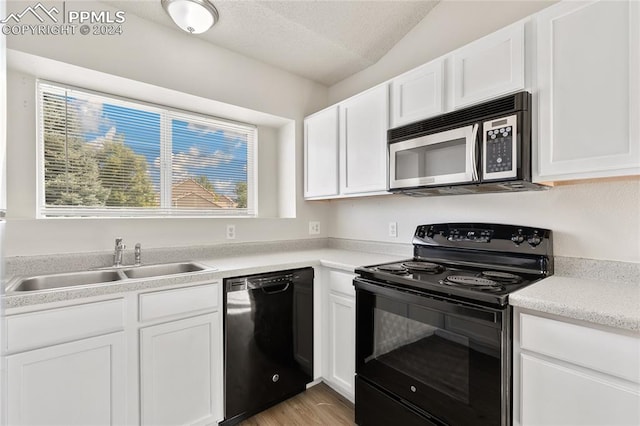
pixel 102 155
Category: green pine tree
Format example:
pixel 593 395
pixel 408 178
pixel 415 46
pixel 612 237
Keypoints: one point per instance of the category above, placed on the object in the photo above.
pixel 241 195
pixel 124 173
pixel 70 167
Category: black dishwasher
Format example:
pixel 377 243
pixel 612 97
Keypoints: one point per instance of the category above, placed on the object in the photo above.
pixel 268 340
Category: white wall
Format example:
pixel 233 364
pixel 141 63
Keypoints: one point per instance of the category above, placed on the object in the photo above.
pixel 598 220
pixel 171 59
pixel 451 24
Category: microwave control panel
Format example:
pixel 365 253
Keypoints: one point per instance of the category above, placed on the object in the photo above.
pixel 499 149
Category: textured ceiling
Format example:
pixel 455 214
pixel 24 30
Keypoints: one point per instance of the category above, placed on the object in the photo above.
pixel 325 41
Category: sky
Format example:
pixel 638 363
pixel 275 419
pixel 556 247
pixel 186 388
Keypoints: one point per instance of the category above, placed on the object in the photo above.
pixel 197 149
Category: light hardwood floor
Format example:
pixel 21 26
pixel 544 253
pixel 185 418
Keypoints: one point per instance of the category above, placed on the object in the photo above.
pixel 319 405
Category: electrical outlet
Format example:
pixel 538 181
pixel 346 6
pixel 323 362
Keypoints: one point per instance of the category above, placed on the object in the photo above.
pixel 314 228
pixel 393 229
pixel 231 232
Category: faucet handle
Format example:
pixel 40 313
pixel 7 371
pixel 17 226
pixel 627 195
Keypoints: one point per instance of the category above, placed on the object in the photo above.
pixel 138 254
pixel 119 243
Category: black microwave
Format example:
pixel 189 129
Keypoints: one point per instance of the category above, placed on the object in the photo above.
pixel 482 148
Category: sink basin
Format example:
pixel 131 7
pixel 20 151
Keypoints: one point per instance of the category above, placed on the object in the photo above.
pixel 47 282
pixel 162 269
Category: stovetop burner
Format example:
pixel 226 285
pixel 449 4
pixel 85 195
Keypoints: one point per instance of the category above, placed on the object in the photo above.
pixel 432 268
pixel 501 277
pixel 393 269
pixel 475 283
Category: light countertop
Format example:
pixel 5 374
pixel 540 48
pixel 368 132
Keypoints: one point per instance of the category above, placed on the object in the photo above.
pixel 222 267
pixel 613 304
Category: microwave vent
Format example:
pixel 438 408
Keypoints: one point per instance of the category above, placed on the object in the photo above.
pixel 506 105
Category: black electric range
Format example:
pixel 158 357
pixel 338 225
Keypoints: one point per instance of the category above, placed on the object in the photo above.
pixel 470 261
pixel 433 333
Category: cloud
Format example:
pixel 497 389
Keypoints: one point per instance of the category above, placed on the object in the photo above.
pixel 201 128
pixel 229 136
pixel 91 115
pixel 101 140
pixel 224 187
pixel 194 159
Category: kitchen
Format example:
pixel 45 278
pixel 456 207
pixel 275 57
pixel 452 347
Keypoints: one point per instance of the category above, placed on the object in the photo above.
pixel 196 75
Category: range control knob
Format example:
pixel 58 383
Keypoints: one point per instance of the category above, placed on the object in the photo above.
pixel 534 239
pixel 518 238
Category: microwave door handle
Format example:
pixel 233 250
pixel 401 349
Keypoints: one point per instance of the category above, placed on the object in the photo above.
pixel 474 147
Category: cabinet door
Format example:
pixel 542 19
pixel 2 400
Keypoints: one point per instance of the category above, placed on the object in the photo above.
pixel 363 142
pixel 556 395
pixel 588 85
pixel 490 66
pixel 181 372
pixel 417 94
pixel 79 383
pixel 342 345
pixel 321 154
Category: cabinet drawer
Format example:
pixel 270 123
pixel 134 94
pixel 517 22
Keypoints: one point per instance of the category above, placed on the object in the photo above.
pixel 610 353
pixel 341 282
pixel 179 301
pixel 53 326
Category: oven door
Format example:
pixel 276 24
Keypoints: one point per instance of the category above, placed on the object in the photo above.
pixel 436 159
pixel 445 359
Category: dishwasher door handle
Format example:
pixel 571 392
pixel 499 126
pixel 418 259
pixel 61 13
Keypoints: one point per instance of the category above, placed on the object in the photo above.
pixel 278 288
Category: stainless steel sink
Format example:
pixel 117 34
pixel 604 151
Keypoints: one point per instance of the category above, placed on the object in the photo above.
pixel 149 271
pixel 47 282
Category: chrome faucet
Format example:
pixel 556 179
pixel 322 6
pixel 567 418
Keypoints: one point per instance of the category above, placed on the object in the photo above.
pixel 138 254
pixel 117 255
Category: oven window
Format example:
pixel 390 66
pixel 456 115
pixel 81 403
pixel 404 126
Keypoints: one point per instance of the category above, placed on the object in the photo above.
pixel 446 364
pixel 437 159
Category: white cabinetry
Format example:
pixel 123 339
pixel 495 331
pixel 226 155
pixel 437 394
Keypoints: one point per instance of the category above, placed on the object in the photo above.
pixel 150 358
pixel 340 337
pixel 570 373
pixel 491 66
pixel 588 90
pixel 59 374
pixel 363 142
pixel 181 360
pixel 179 373
pixel 346 147
pixel 321 154
pixel 417 94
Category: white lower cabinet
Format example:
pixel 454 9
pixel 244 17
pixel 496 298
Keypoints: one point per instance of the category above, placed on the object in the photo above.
pixel 340 345
pixel 79 383
pixel 553 394
pixel 573 373
pixel 148 357
pixel 342 342
pixel 179 366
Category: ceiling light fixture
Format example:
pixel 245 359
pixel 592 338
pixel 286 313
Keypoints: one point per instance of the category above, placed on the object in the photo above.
pixel 193 16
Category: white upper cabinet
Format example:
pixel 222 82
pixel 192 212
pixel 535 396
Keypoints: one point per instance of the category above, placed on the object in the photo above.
pixel 588 85
pixel 489 67
pixel 363 142
pixel 417 94
pixel 321 153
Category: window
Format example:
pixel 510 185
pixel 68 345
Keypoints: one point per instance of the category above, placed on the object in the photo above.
pixel 101 155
